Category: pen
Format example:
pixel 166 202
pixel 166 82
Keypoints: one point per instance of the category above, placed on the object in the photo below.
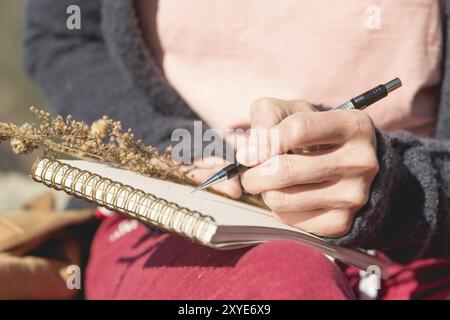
pixel 360 102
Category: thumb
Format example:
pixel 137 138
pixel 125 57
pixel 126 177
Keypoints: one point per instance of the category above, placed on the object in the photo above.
pixel 268 112
pixel 257 147
pixel 263 141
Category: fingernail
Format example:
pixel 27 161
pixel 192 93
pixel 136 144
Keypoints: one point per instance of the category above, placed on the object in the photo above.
pixel 247 155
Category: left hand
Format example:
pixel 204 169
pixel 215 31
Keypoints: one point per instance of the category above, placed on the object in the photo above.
pixel 318 191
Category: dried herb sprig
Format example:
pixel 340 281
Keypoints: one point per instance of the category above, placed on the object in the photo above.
pixel 104 141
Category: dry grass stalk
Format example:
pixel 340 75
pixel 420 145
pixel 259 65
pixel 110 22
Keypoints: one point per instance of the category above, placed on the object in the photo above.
pixel 104 141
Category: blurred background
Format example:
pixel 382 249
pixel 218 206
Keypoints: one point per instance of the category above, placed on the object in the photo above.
pixel 17 94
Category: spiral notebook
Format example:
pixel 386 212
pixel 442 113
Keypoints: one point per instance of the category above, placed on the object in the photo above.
pixel 204 217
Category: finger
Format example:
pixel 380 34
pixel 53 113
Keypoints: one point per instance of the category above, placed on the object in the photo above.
pixel 320 128
pixel 231 188
pixel 212 163
pixel 349 193
pixel 302 198
pixel 350 160
pixel 268 112
pixel 203 169
pixel 305 129
pixel 321 222
pixel 288 170
pixel 196 171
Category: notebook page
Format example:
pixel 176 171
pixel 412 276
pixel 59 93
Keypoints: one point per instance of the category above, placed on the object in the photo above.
pixel 224 211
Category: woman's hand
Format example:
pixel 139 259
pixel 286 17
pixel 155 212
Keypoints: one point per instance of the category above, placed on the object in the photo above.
pixel 320 190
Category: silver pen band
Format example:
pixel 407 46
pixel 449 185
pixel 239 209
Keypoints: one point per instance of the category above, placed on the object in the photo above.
pixel 346 106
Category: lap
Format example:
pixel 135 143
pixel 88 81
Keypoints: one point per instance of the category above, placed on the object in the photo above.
pixel 128 261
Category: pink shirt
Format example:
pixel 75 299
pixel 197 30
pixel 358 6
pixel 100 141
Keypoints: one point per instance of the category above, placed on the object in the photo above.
pixel 222 55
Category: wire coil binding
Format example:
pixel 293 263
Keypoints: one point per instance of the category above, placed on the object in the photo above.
pixel 124 199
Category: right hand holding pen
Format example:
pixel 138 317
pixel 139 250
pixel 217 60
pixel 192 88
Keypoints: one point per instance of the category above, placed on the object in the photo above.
pixel 319 191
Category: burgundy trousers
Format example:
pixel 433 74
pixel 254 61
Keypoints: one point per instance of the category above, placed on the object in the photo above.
pixel 130 262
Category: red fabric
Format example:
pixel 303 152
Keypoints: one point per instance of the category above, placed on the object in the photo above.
pixel 423 279
pixel 129 262
pixel 142 265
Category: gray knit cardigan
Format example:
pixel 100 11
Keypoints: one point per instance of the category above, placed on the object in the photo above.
pixel 104 68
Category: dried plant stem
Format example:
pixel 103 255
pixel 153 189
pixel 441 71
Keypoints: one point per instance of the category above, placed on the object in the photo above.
pixel 102 141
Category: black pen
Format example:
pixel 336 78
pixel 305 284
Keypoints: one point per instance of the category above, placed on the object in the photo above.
pixel 360 102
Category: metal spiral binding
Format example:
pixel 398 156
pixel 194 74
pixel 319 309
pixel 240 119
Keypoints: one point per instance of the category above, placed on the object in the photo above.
pixel 123 199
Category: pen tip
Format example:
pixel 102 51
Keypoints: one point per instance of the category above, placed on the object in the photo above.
pixel 216 178
pixel 201 187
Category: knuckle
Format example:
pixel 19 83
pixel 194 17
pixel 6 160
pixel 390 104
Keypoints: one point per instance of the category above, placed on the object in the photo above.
pixel 372 167
pixel 298 128
pixel 362 162
pixel 261 105
pixel 355 198
pixel 368 163
pixel 359 199
pixel 344 225
pixel 334 166
pixel 338 224
pixel 361 123
pixel 286 170
pixel 306 106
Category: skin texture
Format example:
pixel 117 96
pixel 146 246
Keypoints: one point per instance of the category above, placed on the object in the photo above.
pixel 316 174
